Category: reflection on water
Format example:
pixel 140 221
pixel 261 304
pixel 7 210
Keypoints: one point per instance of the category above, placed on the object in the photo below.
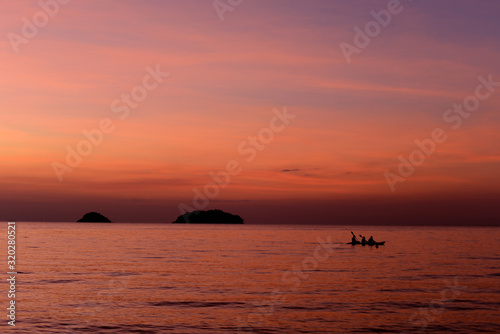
pixel 124 278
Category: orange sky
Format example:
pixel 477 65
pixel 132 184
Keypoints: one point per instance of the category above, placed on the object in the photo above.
pixel 352 120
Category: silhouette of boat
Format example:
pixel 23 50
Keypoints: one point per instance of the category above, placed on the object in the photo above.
pixel 367 244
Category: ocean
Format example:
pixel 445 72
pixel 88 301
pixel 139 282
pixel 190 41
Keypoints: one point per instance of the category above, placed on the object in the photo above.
pixel 164 278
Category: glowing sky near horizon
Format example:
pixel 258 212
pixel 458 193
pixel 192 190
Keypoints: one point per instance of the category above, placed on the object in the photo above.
pixel 352 121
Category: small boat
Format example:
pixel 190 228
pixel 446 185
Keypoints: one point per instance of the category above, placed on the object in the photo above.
pixel 367 244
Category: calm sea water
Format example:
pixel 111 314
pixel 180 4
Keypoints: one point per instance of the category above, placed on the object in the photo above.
pixel 125 278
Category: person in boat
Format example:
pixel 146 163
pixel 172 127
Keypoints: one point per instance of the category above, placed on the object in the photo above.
pixel 363 239
pixel 371 241
pixel 354 240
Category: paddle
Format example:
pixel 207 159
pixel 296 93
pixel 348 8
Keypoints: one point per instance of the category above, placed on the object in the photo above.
pixel 354 237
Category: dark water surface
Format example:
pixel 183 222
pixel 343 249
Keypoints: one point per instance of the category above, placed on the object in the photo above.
pixel 151 278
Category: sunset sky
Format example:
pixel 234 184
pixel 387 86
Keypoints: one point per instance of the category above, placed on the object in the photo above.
pixel 349 121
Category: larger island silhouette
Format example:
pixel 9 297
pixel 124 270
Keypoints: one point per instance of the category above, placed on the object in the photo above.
pixel 208 217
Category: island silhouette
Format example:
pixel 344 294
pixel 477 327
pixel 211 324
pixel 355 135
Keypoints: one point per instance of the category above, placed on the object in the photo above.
pixel 208 217
pixel 93 217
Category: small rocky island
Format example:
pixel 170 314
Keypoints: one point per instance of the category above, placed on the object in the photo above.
pixel 208 217
pixel 93 217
